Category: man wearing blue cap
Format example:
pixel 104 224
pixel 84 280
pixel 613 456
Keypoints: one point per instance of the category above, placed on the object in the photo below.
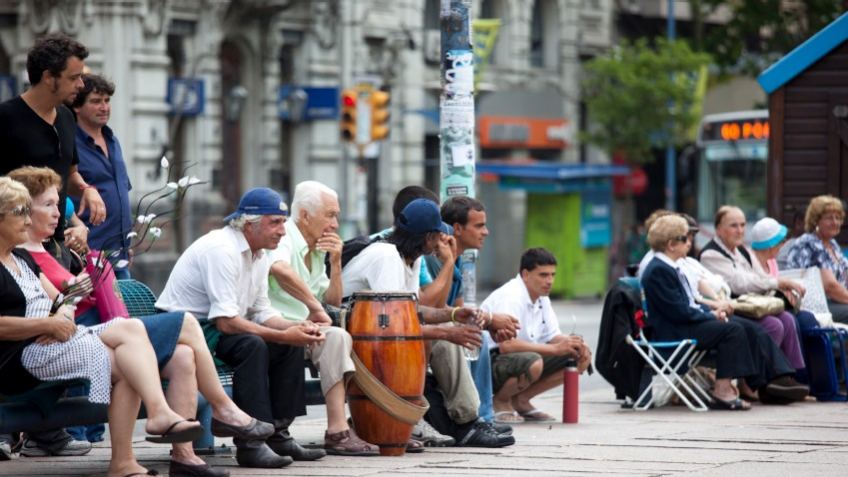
pixel 394 265
pixel 223 276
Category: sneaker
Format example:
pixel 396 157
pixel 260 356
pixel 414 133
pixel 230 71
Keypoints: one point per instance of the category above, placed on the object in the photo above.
pixel 73 447
pixel 482 434
pixel 426 434
pixel 5 451
pixel 500 428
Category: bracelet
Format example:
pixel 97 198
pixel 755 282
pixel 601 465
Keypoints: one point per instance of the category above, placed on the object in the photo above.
pixel 453 314
pixel 491 319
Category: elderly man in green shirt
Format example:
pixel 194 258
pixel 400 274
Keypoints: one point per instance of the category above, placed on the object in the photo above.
pixel 298 284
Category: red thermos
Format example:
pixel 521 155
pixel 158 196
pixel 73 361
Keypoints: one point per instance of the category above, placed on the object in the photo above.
pixel 570 394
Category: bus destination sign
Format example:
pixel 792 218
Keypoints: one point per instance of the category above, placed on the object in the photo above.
pixel 739 130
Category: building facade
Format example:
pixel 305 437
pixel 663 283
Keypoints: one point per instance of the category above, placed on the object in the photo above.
pixel 245 93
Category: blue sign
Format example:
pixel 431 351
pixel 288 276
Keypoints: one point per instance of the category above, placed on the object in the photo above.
pixel 305 103
pixel 8 87
pixel 595 221
pixel 186 96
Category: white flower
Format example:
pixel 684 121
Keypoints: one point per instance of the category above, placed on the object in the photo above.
pixel 172 185
pixel 187 181
pixel 122 264
pixel 149 218
pixel 164 162
pixel 156 232
pixel 141 219
pixel 132 234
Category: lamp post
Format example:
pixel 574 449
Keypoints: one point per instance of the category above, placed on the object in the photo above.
pixel 670 156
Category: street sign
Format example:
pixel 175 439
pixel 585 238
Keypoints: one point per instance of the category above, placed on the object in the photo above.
pixel 186 96
pixel 321 102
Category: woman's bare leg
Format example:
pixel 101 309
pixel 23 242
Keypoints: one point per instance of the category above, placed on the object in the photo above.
pixel 182 397
pixel 135 360
pixel 223 408
pixel 123 411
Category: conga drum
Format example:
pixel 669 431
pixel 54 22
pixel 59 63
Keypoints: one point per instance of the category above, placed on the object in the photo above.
pixel 387 339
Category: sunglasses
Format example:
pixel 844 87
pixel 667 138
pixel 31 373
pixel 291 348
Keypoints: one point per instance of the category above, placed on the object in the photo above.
pixel 681 238
pixel 20 211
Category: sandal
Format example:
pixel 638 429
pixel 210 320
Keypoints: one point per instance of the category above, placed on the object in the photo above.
pixel 508 417
pixel 349 444
pixel 149 472
pixel 736 404
pixel 414 447
pixel 535 415
pixel 170 436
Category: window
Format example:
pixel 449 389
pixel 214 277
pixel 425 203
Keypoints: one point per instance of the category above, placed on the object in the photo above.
pixel 544 35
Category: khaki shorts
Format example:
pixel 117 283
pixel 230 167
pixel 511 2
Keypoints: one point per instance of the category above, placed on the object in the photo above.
pixel 515 365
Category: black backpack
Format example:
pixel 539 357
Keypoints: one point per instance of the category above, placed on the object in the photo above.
pixel 351 248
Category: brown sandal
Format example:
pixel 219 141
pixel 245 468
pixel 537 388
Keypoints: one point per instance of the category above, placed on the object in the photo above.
pixel 348 443
pixel 414 446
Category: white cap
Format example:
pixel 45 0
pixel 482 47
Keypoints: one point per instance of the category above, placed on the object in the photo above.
pixel 767 233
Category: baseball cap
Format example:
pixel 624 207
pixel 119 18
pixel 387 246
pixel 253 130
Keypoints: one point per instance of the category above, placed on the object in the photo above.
pixel 259 201
pixel 767 233
pixel 420 217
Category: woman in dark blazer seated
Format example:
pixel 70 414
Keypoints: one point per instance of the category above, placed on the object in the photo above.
pixel 674 314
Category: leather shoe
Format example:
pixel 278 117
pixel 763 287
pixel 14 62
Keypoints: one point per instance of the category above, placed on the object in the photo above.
pixel 254 431
pixel 786 388
pixel 290 448
pixel 178 469
pixel 483 435
pixel 261 457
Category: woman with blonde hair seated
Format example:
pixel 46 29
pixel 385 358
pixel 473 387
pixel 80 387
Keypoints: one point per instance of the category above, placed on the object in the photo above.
pixel 818 248
pixel 116 357
pixel 673 313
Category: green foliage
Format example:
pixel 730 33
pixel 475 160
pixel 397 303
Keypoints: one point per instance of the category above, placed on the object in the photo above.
pixel 628 93
pixel 761 31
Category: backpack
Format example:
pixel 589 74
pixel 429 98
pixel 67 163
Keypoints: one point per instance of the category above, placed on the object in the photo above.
pixel 351 248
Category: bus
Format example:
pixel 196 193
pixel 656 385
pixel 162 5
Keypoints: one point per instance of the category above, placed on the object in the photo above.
pixel 732 156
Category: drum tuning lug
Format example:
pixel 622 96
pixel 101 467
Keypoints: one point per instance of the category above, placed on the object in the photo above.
pixel 383 320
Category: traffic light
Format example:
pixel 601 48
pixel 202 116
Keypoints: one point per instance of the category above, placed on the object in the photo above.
pixel 379 114
pixel 348 120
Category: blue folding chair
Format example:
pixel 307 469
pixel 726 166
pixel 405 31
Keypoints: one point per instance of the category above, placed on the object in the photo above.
pixel 673 361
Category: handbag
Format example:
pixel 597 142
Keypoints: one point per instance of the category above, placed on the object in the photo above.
pixel 757 306
pixel 107 296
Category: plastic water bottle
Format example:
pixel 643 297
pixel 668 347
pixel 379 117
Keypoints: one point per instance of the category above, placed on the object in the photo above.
pixel 472 354
pixel 570 393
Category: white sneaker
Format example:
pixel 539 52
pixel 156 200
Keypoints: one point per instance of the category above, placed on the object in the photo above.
pixel 429 436
pixel 72 448
pixel 5 451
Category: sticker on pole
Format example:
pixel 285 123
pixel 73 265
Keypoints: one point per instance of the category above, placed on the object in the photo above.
pixel 459 72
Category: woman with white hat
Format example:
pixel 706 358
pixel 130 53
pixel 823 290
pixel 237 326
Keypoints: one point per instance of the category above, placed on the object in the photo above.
pixel 767 239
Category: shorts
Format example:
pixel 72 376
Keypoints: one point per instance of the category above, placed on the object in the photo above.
pixel 514 365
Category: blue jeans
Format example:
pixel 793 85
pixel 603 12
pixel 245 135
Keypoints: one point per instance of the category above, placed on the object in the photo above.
pixel 93 432
pixel 481 371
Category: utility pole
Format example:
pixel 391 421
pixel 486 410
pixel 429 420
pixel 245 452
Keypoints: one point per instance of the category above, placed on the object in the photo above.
pixel 456 118
pixel 670 153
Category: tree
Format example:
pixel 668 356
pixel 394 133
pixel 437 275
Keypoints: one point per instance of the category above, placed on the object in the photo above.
pixel 760 31
pixel 635 92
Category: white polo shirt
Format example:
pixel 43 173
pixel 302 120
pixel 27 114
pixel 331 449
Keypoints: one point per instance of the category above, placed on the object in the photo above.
pixel 218 276
pixel 379 267
pixel 538 321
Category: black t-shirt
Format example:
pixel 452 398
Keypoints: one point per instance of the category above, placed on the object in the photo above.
pixel 16 379
pixel 27 140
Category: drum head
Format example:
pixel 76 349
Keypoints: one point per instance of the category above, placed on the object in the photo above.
pixel 383 296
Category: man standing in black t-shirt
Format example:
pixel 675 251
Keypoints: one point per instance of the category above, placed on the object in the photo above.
pixel 37 129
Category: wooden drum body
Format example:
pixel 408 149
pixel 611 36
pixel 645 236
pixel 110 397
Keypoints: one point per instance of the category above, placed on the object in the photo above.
pixel 387 339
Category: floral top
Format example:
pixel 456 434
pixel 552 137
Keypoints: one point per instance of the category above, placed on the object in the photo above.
pixel 808 251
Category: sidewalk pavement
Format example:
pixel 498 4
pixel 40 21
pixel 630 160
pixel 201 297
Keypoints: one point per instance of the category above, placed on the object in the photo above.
pixel 807 438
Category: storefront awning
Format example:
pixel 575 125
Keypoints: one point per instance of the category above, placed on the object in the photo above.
pixel 554 177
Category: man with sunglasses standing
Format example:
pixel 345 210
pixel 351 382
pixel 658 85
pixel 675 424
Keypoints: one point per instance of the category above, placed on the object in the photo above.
pixel 37 129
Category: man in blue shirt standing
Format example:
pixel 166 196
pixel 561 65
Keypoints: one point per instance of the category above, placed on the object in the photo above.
pixel 101 164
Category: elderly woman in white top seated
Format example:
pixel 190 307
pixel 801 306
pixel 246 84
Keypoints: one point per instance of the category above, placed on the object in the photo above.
pixel 726 255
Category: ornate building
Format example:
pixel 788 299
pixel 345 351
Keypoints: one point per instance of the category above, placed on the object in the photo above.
pixel 245 93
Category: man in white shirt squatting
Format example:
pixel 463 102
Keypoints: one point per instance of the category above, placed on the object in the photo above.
pixel 527 366
pixel 223 276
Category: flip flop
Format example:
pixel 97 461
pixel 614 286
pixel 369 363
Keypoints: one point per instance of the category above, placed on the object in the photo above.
pixel 149 472
pixel 508 417
pixel 414 447
pixel 170 436
pixel 535 415
pixel 735 405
